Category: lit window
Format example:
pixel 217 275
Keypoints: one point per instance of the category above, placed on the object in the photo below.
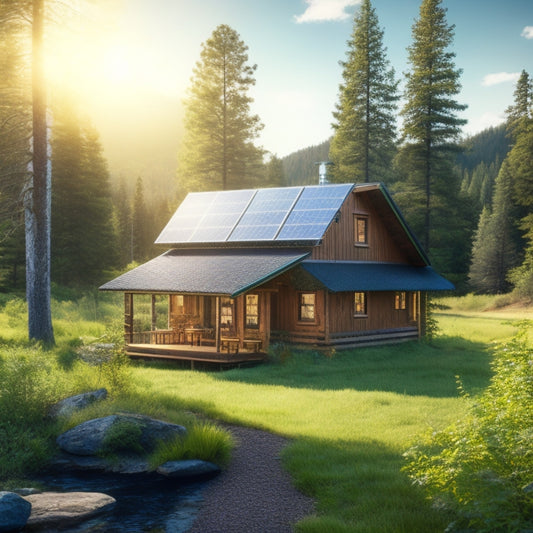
pixel 399 300
pixel 226 312
pixel 359 303
pixel 252 311
pixel 361 230
pixel 306 307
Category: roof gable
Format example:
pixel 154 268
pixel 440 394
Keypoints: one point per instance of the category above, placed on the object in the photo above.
pixel 283 216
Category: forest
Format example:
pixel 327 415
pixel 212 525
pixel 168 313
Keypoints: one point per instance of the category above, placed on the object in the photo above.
pixel 468 199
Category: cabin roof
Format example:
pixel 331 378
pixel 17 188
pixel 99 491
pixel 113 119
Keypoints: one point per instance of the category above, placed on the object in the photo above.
pixel 224 272
pixel 283 216
pixel 339 276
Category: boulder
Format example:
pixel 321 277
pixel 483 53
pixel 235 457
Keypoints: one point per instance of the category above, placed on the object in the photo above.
pixel 57 509
pixel 89 438
pixel 14 512
pixel 188 468
pixel 121 464
pixel 76 403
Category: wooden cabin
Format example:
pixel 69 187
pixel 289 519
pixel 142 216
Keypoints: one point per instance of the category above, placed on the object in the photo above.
pixel 328 266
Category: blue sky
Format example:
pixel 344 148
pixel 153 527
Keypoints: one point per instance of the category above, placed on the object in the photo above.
pixel 297 46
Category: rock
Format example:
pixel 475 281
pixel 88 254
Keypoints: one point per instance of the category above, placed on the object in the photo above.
pixel 57 509
pixel 14 512
pixel 75 403
pixel 26 491
pixel 188 468
pixel 89 437
pixel 118 465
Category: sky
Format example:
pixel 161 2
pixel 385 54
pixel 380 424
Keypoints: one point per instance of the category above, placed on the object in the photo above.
pixel 132 63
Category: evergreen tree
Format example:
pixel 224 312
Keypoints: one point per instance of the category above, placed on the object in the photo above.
pixel 218 150
pixel 123 224
pixel 520 127
pixel 83 240
pixel 363 145
pixel 274 173
pixel 140 225
pixel 430 132
pixel 494 251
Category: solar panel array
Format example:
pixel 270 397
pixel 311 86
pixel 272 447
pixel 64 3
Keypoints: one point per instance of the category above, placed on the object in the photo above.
pixel 278 214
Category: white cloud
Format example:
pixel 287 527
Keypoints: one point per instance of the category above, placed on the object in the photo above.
pixel 323 10
pixel 527 32
pixel 499 77
pixel 483 121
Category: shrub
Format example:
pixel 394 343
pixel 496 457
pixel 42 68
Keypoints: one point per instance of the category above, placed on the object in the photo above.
pixel 480 466
pixel 123 436
pixel 279 353
pixel 204 441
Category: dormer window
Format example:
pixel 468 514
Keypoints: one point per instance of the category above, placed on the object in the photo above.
pixel 361 230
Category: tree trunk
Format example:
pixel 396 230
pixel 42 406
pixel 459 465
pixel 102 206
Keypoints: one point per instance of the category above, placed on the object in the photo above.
pixel 37 200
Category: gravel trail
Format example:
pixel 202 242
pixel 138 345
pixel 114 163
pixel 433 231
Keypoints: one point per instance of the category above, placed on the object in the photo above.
pixel 253 494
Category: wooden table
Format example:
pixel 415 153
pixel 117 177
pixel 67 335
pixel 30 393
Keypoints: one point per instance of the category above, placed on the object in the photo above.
pixel 162 336
pixel 230 343
pixel 195 335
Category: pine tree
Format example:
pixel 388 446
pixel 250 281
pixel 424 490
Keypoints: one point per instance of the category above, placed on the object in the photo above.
pixel 494 252
pixel 123 224
pixel 430 133
pixel 83 239
pixel 140 226
pixel 363 145
pixel 218 150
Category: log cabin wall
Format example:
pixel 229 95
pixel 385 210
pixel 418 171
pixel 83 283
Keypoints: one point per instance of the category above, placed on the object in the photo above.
pixel 339 240
pixel 380 313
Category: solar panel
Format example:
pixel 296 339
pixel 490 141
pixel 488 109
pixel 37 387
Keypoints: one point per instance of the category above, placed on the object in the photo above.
pixel 265 214
pixel 315 209
pixel 276 214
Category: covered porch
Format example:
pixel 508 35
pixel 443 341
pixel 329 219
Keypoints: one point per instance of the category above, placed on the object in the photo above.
pixel 202 304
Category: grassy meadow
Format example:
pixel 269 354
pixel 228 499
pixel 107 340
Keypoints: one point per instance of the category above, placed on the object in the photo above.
pixel 350 416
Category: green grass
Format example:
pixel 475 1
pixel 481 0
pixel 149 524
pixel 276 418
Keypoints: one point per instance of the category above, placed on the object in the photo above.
pixel 351 417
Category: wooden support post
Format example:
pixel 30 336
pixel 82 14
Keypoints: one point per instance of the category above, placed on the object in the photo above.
pixel 154 313
pixel 128 317
pixel 217 323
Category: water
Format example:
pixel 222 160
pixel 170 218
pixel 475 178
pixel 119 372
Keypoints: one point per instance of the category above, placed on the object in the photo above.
pixel 147 504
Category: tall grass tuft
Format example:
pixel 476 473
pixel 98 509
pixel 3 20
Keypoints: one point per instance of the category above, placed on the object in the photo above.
pixel 204 441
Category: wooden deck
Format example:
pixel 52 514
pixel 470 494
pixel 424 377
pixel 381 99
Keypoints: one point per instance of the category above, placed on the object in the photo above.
pixel 196 356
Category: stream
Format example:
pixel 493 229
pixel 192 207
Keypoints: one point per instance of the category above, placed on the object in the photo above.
pixel 144 504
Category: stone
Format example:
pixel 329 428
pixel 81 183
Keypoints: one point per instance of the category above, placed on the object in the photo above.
pixel 188 468
pixel 58 509
pixel 14 512
pixel 121 464
pixel 76 403
pixel 89 437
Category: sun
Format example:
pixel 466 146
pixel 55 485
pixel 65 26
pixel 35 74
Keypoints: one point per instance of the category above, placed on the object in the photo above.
pixel 117 66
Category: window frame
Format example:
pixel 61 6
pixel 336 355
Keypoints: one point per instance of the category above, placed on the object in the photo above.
pixel 363 218
pixel 364 311
pixel 247 314
pixel 301 305
pixel 225 304
pixel 400 300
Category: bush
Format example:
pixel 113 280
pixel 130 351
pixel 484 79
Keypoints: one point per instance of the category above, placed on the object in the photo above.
pixel 204 441
pixel 480 466
pixel 123 436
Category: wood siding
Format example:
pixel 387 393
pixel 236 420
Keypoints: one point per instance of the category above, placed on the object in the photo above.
pixel 386 239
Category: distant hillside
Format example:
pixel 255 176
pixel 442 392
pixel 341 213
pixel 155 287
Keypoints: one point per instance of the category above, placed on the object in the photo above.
pixel 300 167
pixel 488 146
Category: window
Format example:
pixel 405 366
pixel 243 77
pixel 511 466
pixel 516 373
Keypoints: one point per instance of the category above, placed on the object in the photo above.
pixel 400 300
pixel 359 304
pixel 361 230
pixel 252 311
pixel 306 307
pixel 226 312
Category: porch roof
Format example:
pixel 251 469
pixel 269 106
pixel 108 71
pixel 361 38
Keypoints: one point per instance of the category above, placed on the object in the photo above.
pixel 340 276
pixel 224 272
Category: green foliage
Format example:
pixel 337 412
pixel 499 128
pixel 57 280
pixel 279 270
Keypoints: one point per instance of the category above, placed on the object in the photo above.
pixel 123 437
pixel 363 145
pixel 480 466
pixel 279 353
pixel 204 441
pixel 218 150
